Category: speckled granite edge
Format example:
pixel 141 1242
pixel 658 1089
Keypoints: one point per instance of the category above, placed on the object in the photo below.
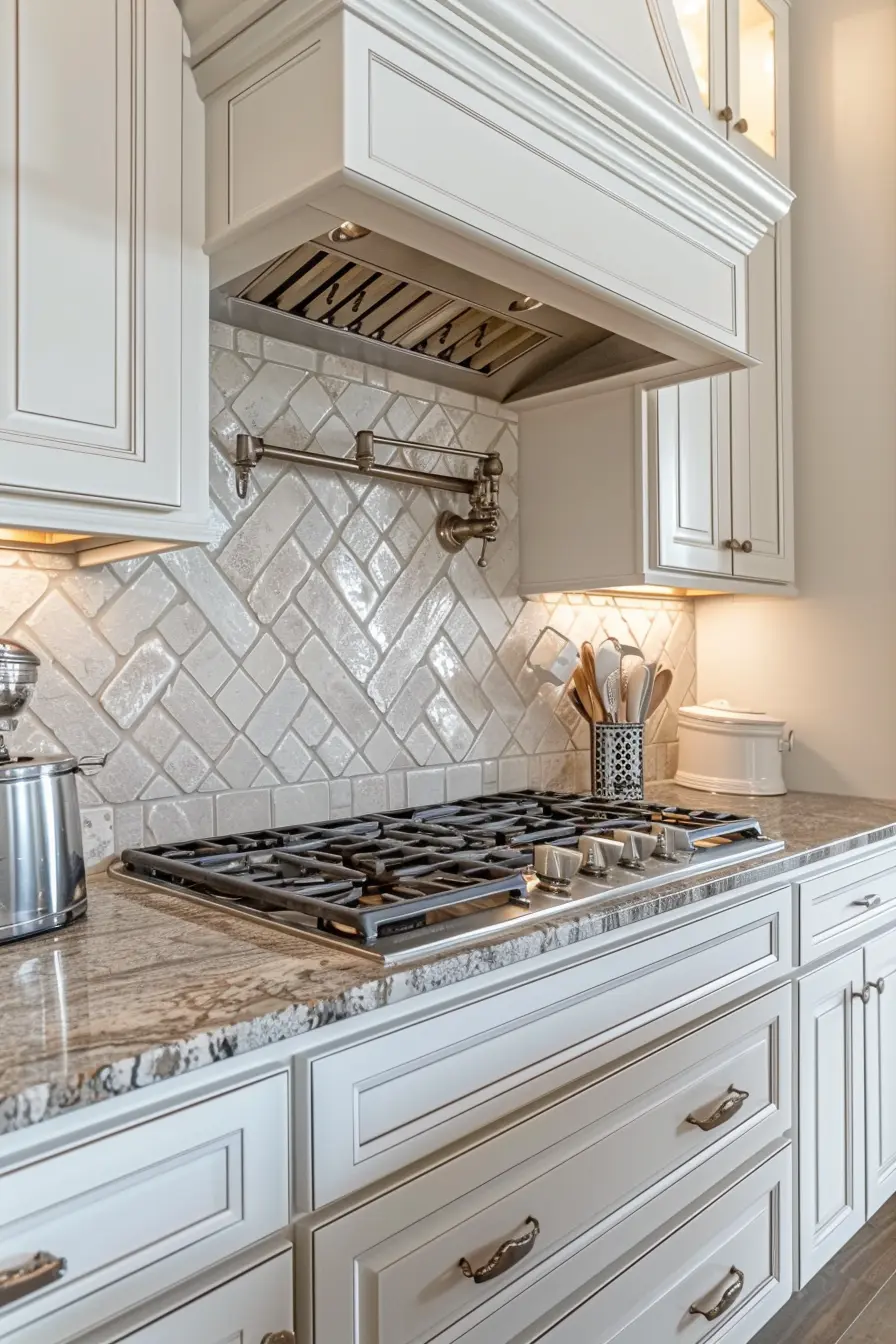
pixel 43 1100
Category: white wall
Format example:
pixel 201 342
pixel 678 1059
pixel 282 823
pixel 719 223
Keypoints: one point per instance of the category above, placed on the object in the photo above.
pixel 827 660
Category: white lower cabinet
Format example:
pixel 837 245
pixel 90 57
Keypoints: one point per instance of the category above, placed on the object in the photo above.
pixel 725 1272
pixel 481 1245
pixel 880 1070
pixel 832 1110
pixel 256 1308
pixel 847 1097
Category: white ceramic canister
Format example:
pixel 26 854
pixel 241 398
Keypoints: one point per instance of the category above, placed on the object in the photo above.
pixel 726 750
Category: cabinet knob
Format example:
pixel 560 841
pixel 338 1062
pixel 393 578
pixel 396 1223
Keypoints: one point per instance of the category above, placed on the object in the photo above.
pixel 732 545
pixel 743 125
pixel 864 994
pixel 280 1337
pixel 868 902
pixel 746 547
pixel 880 985
pixel 41 1270
pixel 726 114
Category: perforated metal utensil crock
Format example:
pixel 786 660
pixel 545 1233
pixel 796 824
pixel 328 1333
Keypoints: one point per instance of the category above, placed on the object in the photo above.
pixel 617 762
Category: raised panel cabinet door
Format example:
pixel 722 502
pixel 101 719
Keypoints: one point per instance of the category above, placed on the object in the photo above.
pixel 880 1070
pixel 91 249
pixel 690 430
pixel 831 1111
pixel 244 1311
pixel 758 81
pixel 761 435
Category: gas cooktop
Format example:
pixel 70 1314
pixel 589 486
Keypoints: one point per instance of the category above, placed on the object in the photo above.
pixel 399 885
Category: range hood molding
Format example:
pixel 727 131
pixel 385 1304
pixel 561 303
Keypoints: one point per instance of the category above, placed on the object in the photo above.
pixel 515 69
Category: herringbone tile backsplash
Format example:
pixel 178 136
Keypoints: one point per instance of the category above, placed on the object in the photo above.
pixel 324 656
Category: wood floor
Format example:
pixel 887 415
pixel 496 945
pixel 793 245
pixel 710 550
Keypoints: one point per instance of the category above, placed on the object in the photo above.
pixel 852 1300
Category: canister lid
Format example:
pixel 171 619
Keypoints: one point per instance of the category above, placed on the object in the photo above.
pixel 33 767
pixel 15 654
pixel 721 711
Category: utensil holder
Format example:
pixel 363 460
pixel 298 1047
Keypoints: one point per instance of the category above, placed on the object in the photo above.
pixel 617 762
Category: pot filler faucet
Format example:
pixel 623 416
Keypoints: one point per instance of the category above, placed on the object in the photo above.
pixel 453 531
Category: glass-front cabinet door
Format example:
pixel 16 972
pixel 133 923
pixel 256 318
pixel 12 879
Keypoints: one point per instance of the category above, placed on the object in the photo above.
pixel 738 53
pixel 694 19
pixel 757 80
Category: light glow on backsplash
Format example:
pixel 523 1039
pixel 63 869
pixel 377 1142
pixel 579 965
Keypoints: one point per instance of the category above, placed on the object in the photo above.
pixel 324 656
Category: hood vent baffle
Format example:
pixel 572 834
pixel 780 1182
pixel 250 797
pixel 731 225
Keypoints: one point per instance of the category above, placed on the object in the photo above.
pixel 325 286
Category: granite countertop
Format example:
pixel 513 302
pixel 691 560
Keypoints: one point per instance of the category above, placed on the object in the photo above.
pixel 150 986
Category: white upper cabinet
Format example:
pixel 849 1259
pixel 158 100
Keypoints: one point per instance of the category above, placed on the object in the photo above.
pixel 103 329
pixel 672 485
pixel 739 55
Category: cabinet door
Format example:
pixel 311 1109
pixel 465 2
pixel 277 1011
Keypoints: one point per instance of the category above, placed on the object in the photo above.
pixel 758 81
pixel 880 1070
pixel 702 24
pixel 831 1111
pixel 91 249
pixel 244 1311
pixel 761 436
pixel 690 430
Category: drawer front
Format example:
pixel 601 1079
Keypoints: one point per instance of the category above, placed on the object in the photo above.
pixel 386 1102
pixel 147 1207
pixel 243 1311
pixel 840 906
pixel 733 1258
pixel 391 1272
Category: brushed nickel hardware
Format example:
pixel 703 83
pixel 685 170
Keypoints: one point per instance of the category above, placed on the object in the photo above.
pixel 880 984
pixel 525 305
pixel 40 1271
pixel 453 531
pixel 726 114
pixel 347 232
pixel 869 902
pixel 745 546
pixel 508 1254
pixel 864 994
pixel 743 125
pixel 279 1337
pixel 734 1099
pixel 732 545
pixel 726 1301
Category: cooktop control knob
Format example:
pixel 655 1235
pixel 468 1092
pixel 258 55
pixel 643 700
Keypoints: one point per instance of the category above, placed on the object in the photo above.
pixel 637 846
pixel 556 866
pixel 599 853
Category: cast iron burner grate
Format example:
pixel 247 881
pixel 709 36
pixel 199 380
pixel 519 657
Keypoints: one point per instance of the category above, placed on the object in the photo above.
pixel 371 879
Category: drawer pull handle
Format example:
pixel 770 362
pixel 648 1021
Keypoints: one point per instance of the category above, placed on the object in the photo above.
pixel 42 1269
pixel 734 1099
pixel 868 902
pixel 726 1301
pixel 508 1254
pixel 280 1337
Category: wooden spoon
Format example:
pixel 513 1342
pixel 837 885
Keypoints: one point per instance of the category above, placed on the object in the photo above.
pixel 660 690
pixel 576 700
pixel 589 666
pixel 588 695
